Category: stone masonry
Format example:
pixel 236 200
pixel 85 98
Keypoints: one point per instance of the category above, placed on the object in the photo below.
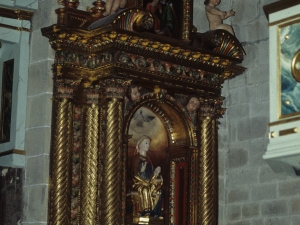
pixel 250 193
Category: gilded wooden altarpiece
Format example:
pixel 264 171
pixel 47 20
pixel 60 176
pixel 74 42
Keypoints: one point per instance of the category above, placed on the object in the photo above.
pixel 116 80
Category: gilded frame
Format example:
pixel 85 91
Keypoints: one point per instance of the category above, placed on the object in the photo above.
pixel 177 151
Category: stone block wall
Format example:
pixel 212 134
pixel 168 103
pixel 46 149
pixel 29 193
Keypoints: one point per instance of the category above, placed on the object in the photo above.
pixel 38 121
pixel 250 193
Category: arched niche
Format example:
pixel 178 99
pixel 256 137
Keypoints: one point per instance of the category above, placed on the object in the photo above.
pixel 168 124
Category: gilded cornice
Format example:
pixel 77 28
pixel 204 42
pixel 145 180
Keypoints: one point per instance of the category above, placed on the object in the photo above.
pixel 91 69
pixel 105 38
pixel 91 49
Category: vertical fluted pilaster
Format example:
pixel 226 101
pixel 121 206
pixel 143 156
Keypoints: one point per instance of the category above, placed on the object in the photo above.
pixel 60 165
pixel 112 163
pixel 207 173
pixel 89 184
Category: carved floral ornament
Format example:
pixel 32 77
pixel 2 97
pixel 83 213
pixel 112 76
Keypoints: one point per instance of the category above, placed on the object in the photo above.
pixel 97 43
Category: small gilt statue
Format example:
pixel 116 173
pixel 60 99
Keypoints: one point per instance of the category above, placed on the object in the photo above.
pixel 147 181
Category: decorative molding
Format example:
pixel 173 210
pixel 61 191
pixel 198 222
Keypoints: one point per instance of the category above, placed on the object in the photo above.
pixel 288 131
pixel 278 6
pixel 15 28
pixel 16 14
pixel 13 151
pixel 284 20
pixel 289 120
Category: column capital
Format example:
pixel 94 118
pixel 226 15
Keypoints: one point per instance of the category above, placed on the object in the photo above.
pixel 92 94
pixel 115 88
pixel 211 107
pixel 65 88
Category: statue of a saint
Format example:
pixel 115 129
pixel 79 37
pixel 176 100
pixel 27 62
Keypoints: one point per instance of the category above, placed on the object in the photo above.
pixel 147 182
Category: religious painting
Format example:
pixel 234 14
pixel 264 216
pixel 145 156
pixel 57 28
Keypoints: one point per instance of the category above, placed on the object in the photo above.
pixel 172 18
pixel 6 100
pixel 147 170
pixel 289 61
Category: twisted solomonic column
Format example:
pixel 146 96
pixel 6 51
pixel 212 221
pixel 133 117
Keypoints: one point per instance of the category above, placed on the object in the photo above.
pixel 112 164
pixel 89 184
pixel 112 180
pixel 207 196
pixel 60 175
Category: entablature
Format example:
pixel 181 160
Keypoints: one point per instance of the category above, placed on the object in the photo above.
pixel 215 52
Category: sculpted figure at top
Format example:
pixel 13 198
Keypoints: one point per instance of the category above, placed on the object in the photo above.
pixel 215 16
pixel 111 6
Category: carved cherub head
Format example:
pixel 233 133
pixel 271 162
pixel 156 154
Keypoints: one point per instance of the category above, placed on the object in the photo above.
pixel 193 105
pixel 133 93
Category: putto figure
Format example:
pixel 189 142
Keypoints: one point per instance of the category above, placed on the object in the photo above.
pixel 215 16
pixel 133 93
pixel 112 6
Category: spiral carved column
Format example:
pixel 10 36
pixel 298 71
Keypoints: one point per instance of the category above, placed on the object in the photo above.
pixel 112 180
pixel 89 186
pixel 207 168
pixel 60 187
pixel 112 164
